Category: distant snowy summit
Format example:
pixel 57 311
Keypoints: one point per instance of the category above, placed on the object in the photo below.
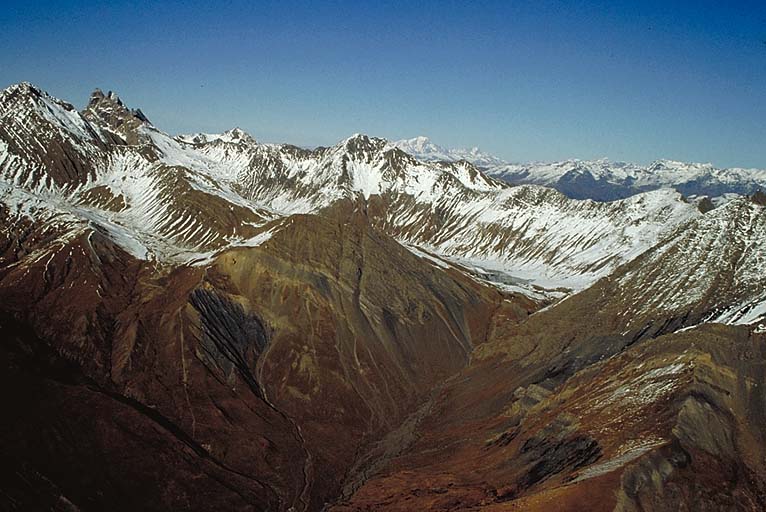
pixel 235 136
pixel 423 149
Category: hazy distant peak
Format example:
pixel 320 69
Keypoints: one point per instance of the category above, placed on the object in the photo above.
pixel 422 148
pixel 233 136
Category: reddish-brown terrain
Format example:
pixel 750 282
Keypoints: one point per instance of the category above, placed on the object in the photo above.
pixel 256 380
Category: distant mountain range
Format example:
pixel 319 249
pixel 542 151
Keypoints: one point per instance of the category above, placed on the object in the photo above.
pixel 603 180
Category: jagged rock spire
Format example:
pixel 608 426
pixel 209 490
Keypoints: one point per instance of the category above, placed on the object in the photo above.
pixel 109 110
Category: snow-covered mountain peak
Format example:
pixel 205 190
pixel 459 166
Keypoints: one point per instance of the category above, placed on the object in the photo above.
pixel 420 144
pixel 19 98
pixel 236 135
pixel 679 169
pixel 359 140
pixel 233 136
pixel 45 141
pixel 360 147
pixel 21 88
pixel 422 148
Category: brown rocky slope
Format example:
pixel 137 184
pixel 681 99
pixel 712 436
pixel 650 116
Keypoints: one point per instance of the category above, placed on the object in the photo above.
pixel 599 403
pixel 251 383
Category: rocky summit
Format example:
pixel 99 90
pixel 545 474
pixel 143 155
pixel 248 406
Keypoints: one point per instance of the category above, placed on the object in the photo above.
pixel 209 322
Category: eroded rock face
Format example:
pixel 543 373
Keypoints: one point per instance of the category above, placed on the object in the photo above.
pixel 122 121
pixel 361 331
pixel 232 338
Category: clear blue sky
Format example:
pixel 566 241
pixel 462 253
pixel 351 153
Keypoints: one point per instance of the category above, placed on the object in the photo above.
pixel 535 80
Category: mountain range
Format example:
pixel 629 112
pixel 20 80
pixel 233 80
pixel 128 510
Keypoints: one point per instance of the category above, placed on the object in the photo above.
pixel 604 180
pixel 207 322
